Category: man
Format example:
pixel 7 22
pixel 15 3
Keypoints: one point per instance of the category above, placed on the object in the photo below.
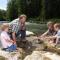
pixel 19 29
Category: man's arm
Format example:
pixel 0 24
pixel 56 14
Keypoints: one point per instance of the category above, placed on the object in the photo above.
pixel 14 36
pixel 14 28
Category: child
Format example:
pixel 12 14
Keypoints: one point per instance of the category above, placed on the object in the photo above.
pixel 7 43
pixel 50 31
pixel 57 28
pixel 57 36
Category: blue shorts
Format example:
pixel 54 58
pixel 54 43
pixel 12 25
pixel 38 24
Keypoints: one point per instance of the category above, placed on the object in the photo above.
pixel 11 48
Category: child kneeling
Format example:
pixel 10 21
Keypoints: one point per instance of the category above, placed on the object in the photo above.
pixel 7 43
pixel 57 36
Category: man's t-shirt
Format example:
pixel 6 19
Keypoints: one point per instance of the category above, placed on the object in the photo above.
pixel 4 39
pixel 14 27
pixel 18 28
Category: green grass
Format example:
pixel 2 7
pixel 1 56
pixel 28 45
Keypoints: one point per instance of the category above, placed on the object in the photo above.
pixel 37 28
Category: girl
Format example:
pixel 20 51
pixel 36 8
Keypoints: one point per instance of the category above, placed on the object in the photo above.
pixel 7 43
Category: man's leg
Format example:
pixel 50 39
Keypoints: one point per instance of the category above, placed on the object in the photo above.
pixel 21 38
pixel 23 35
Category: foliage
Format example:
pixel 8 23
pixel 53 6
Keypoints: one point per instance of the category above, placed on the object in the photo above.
pixel 12 10
pixel 52 8
pixel 40 10
pixel 2 15
pixel 17 7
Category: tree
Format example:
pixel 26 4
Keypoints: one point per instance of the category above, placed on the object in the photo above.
pixel 2 14
pixel 52 9
pixel 12 12
pixel 18 4
pixel 42 14
pixel 31 8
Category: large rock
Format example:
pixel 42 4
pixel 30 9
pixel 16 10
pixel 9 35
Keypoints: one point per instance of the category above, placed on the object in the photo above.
pixel 18 55
pixel 52 47
pixel 41 55
pixel 36 55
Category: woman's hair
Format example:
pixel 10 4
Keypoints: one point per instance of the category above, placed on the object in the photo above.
pixel 4 26
pixel 50 23
pixel 57 25
pixel 23 15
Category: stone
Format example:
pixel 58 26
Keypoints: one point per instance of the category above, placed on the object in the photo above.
pixel 37 55
pixel 13 55
pixel 42 55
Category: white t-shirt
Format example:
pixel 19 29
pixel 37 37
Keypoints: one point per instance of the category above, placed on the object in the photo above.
pixel 4 36
pixel 58 36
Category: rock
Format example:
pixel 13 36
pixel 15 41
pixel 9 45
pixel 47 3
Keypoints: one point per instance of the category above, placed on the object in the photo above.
pixel 29 33
pixel 42 55
pixel 2 58
pixel 13 55
pixel 34 56
pixel 52 56
pixel 37 55
pixel 51 48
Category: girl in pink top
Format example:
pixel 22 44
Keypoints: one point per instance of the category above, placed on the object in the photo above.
pixel 7 43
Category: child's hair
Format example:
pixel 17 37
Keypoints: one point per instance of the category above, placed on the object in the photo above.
pixel 57 25
pixel 50 23
pixel 23 15
pixel 4 26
